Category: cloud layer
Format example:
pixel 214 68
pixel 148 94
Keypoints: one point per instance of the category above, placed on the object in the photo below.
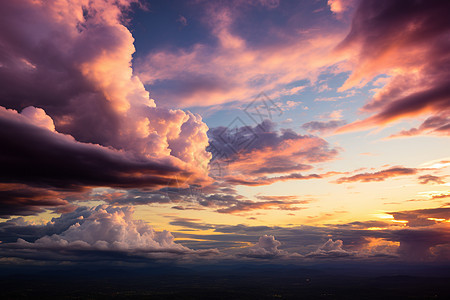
pixel 103 231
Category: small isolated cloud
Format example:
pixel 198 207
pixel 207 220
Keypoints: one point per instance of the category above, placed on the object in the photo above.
pixel 330 249
pixel 247 205
pixel 182 20
pixel 340 6
pixel 426 179
pixel 266 247
pixel 323 126
pixel 378 176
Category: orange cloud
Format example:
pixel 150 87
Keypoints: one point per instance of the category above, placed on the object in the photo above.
pixel 406 41
pixel 378 176
pixel 234 70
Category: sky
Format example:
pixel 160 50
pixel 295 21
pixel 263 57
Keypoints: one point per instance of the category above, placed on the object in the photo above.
pixel 216 131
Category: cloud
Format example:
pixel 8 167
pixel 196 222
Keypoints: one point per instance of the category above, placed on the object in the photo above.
pixel 423 217
pixel 339 6
pixel 248 154
pixel 425 179
pixel 16 228
pixel 424 236
pixel 73 114
pixel 407 41
pixel 106 230
pixel 266 61
pixel 378 176
pixel 418 245
pixel 38 117
pixel 330 249
pixel 440 195
pixel 182 20
pixel 58 160
pixel 266 247
pixel 437 125
pixel 19 199
pixel 323 126
pixel 234 203
pixel 213 197
pixel 243 206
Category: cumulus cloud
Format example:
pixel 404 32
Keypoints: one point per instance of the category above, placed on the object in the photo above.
pixel 423 237
pixel 85 119
pixel 58 160
pixel 18 227
pixel 418 245
pixel 107 230
pixel 407 41
pixel 266 247
pixel 38 117
pixel 330 249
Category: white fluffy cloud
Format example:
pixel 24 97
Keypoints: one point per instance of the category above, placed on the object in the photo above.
pixel 330 249
pixel 107 229
pixel 266 247
pixel 68 69
pixel 38 117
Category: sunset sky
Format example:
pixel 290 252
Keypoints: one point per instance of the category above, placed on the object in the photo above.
pixel 211 131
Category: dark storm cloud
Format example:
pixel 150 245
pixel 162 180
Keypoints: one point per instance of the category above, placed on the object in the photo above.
pixel 419 245
pixel 39 157
pixel 17 199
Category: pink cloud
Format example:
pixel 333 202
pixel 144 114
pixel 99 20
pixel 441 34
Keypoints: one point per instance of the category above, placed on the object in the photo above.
pixel 405 40
pixel 67 69
pixel 207 75
pixel 250 154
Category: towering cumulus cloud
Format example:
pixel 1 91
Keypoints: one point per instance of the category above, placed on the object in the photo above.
pixel 72 110
pixel 101 231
